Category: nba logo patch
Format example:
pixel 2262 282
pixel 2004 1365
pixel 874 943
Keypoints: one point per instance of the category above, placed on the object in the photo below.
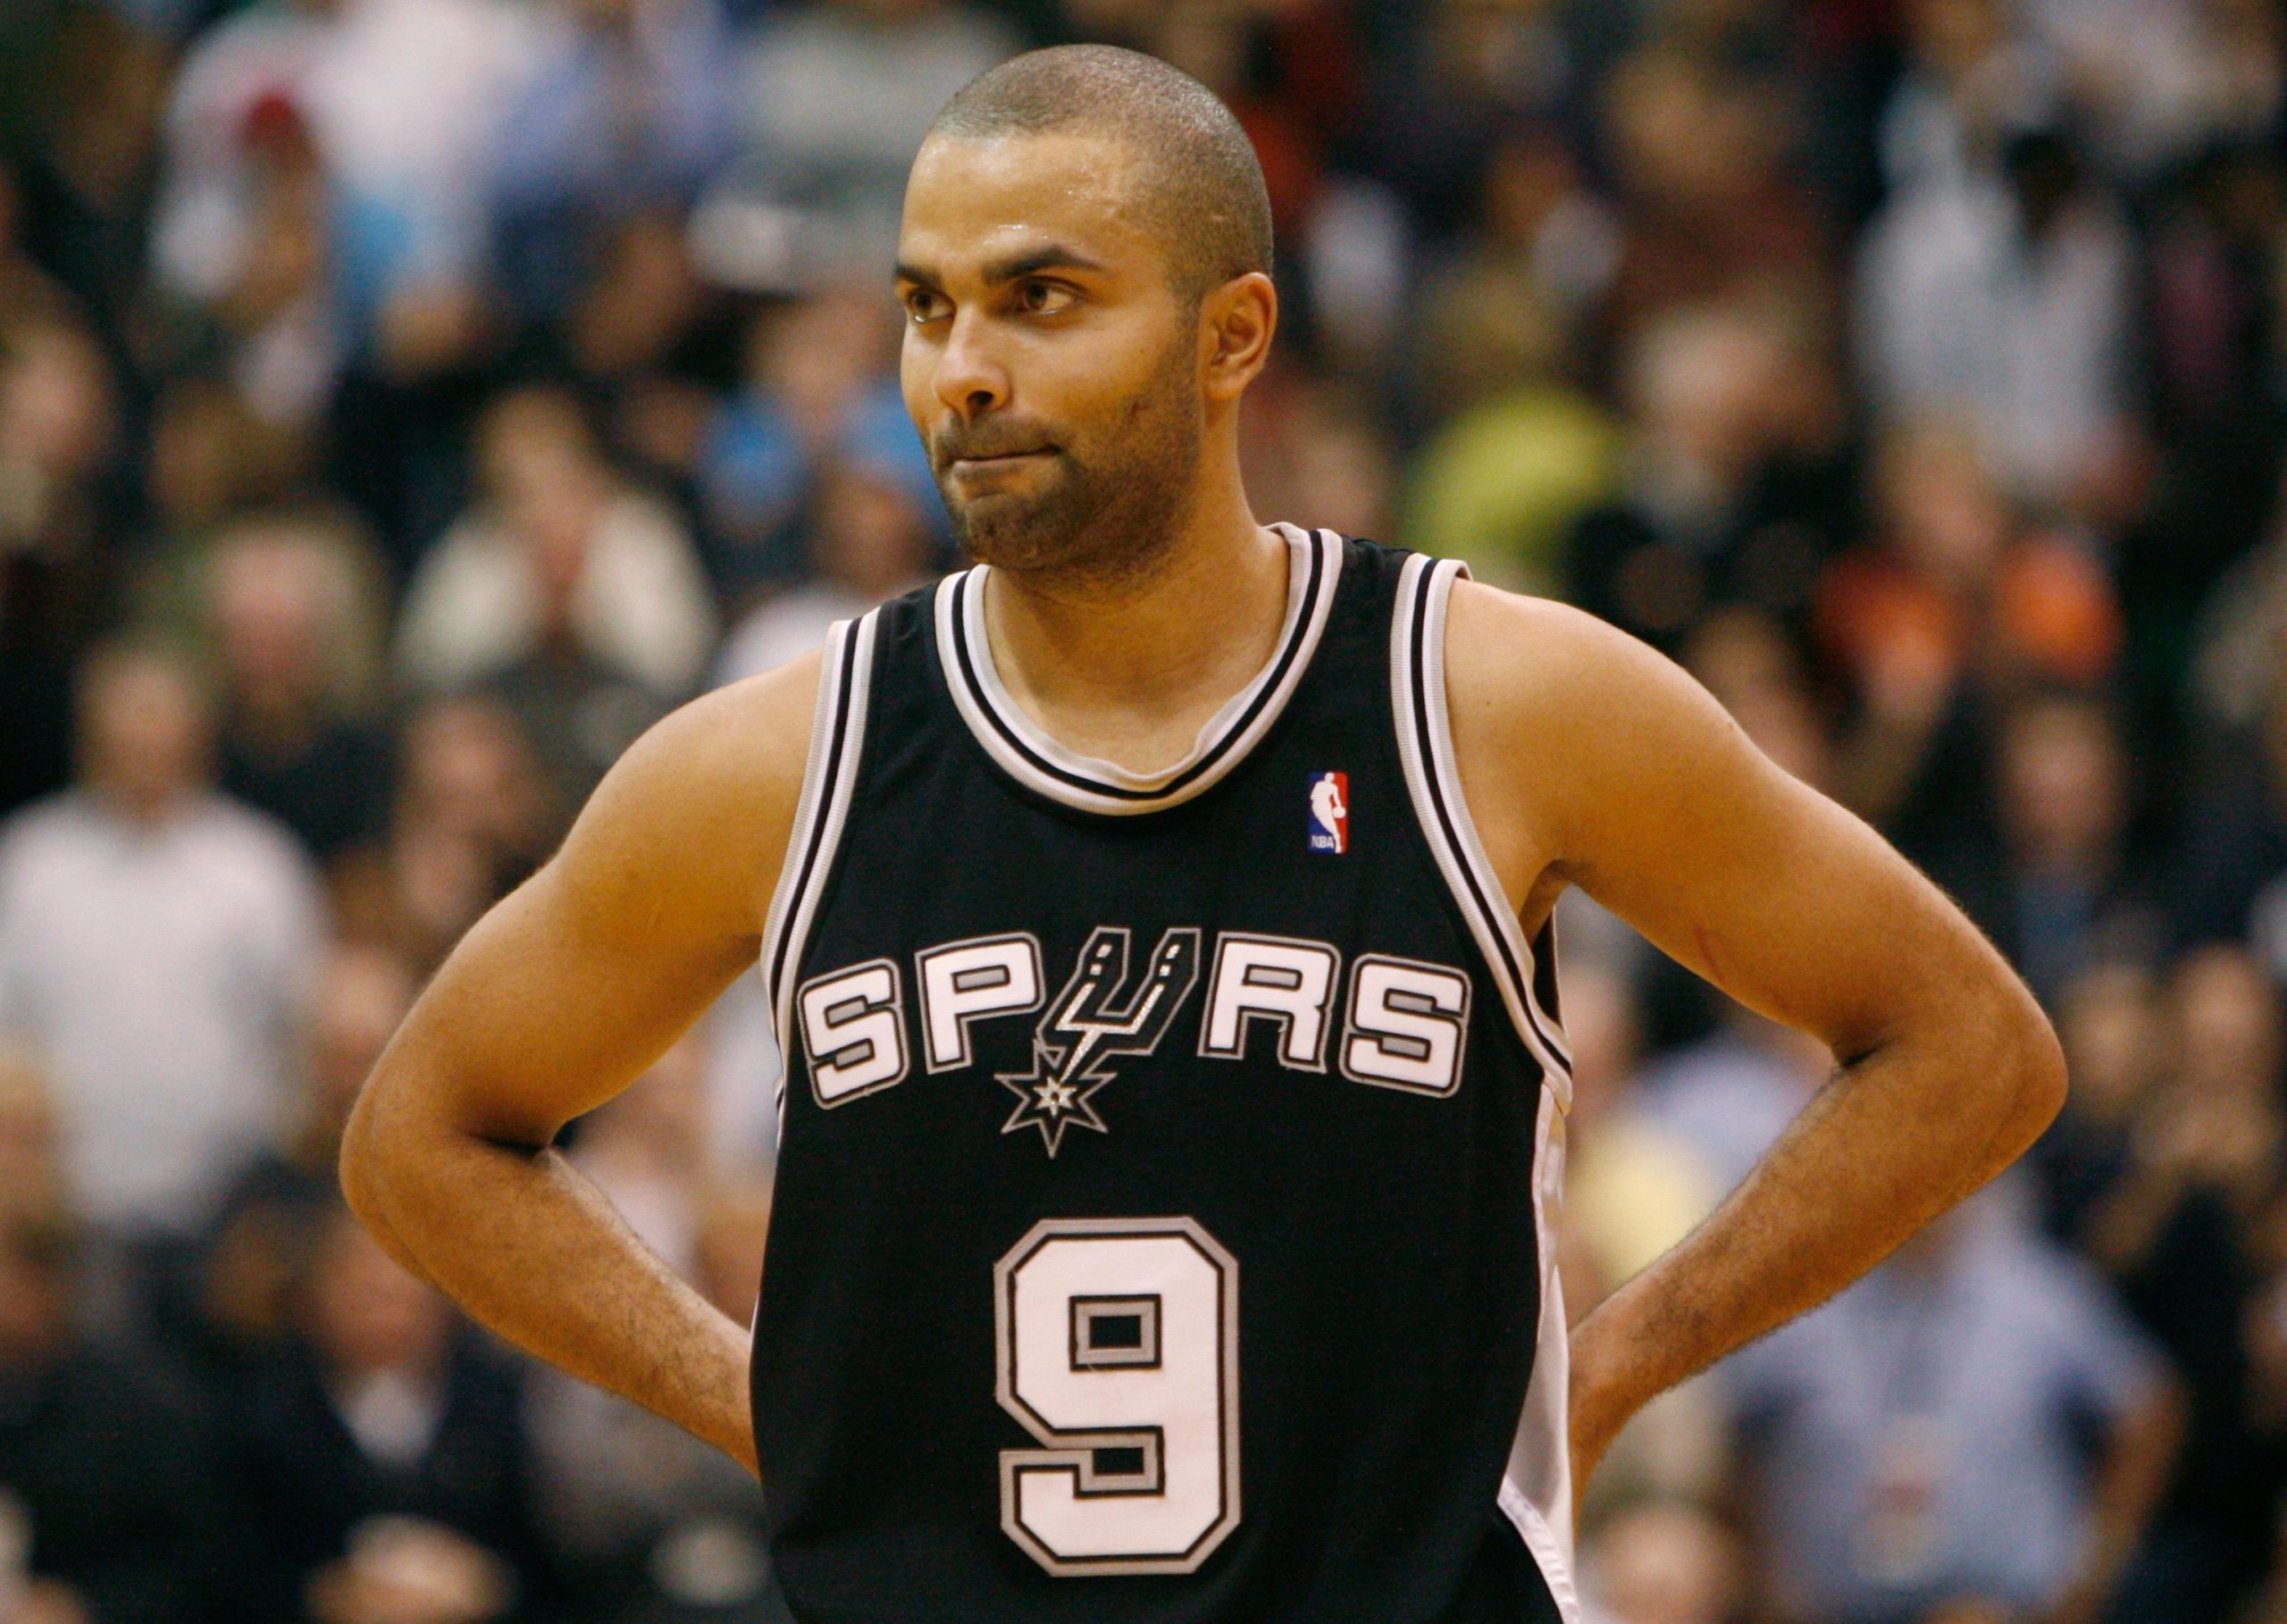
pixel 1330 812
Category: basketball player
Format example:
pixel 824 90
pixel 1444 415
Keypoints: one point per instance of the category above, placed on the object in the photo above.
pixel 1156 918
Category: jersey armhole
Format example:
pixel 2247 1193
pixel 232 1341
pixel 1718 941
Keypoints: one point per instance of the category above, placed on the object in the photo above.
pixel 829 777
pixel 1425 746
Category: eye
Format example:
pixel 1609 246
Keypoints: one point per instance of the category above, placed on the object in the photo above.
pixel 1046 298
pixel 921 306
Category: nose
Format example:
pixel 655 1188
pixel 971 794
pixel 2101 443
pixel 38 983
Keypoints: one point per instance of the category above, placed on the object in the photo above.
pixel 970 379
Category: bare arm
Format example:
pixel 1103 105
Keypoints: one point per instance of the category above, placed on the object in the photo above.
pixel 554 1002
pixel 1592 760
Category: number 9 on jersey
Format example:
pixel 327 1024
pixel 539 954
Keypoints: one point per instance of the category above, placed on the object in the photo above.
pixel 1119 1352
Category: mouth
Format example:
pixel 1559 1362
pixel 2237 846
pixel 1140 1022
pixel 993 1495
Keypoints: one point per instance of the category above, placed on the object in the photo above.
pixel 1005 459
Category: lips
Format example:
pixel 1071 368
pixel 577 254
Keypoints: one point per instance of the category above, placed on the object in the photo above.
pixel 998 459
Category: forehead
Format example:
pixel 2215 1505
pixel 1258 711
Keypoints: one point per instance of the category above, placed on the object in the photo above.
pixel 976 201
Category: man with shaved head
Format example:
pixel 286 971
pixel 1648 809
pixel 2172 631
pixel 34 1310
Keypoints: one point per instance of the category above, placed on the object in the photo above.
pixel 1157 921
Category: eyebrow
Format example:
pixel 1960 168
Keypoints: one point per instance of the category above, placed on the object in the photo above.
pixel 1032 262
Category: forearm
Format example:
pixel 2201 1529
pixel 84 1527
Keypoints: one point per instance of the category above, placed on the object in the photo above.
pixel 531 1249
pixel 1896 1137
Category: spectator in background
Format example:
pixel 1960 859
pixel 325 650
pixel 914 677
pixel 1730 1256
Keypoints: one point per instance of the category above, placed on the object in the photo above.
pixel 2008 297
pixel 2184 1228
pixel 60 504
pixel 2232 854
pixel 2110 1020
pixel 2212 335
pixel 1321 455
pixel 213 461
pixel 381 1455
pixel 1918 1440
pixel 110 1505
pixel 472 817
pixel 649 342
pixel 1966 78
pixel 559 557
pixel 1477 70
pixel 88 181
pixel 872 542
pixel 832 100
pixel 647 1149
pixel 625 109
pixel 154 941
pixel 1711 512
pixel 277 328
pixel 1710 215
pixel 236 80
pixel 2211 301
pixel 1518 451
pixel 1632 1188
pixel 2056 890
pixel 259 1243
pixel 1954 607
pixel 820 385
pixel 294 610
pixel 2162 75
pixel 1664 1562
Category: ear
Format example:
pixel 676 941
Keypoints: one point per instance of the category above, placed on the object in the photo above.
pixel 1236 325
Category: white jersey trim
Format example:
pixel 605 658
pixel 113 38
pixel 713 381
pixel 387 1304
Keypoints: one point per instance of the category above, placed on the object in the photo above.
pixel 829 777
pixel 1038 762
pixel 1425 744
pixel 1536 1490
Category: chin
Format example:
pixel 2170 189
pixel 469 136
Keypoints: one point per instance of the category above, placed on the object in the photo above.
pixel 1016 533
pixel 1016 547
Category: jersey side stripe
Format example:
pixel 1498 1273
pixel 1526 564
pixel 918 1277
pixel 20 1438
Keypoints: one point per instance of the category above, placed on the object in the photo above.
pixel 837 736
pixel 1417 662
pixel 1535 1491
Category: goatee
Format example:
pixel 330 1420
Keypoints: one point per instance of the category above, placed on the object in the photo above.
pixel 1096 521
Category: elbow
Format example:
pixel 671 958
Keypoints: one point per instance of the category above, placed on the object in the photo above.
pixel 2032 1062
pixel 360 1166
pixel 354 1166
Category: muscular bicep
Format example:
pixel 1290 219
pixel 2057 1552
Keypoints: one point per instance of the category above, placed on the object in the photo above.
pixel 1645 793
pixel 576 982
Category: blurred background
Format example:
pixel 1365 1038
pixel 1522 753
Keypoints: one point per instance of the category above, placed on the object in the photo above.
pixel 403 403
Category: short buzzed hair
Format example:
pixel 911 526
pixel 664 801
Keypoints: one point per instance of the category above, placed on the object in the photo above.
pixel 1205 196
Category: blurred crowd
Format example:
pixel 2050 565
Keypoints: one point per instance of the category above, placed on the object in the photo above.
pixel 404 403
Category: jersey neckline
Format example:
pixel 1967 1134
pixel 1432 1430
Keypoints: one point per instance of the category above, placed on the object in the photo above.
pixel 1026 753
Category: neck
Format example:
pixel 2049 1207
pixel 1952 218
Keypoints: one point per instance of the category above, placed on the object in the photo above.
pixel 146 808
pixel 1129 671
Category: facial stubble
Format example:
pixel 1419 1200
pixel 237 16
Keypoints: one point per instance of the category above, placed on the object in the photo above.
pixel 1110 517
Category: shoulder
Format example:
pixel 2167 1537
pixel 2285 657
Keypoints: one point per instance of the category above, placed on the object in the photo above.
pixel 739 746
pixel 1589 711
pixel 703 803
pixel 47 822
pixel 45 846
pixel 1508 636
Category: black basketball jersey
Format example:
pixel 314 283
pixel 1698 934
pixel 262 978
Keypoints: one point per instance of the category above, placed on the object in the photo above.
pixel 1161 1231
